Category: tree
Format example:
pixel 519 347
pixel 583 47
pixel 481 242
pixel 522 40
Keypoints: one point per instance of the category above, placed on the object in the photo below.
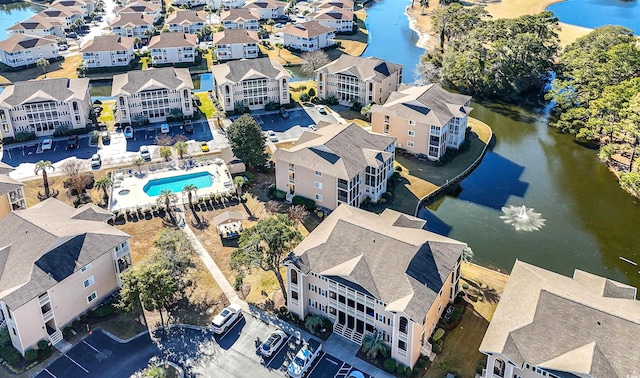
pixel 467 254
pixel 190 190
pixel 298 214
pixel 272 207
pixel 247 142
pixel 265 245
pixel 43 63
pixel 424 4
pixel 165 152
pixel 313 60
pixel 631 182
pixel 42 167
pixel 138 163
pixel 180 147
pixel 103 183
pixel 166 198
pixel 238 182
pixel 137 42
pixel 374 343
pixel 366 110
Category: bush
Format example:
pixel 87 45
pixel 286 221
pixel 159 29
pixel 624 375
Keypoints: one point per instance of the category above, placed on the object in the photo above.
pixel 250 176
pixel 421 363
pixel 30 355
pixel 400 369
pixel 308 203
pixel 481 366
pixel 312 92
pixel 66 331
pixel 279 194
pixel 43 344
pixel 104 310
pixel 398 169
pixel 238 283
pixel 390 365
pixel 436 348
pixel 9 354
pixel 437 335
pixel 415 372
pixel 465 285
pixel 456 315
pixel 24 136
pixel 305 97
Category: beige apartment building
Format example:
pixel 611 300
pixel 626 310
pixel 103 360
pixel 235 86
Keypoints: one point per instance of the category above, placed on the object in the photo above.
pixel 337 164
pixel 550 325
pixel 253 83
pixel 108 51
pixel 355 79
pixel 236 44
pixel 21 50
pixel 173 47
pixel 187 21
pixel 369 272
pixel 240 18
pixel 57 263
pixel 267 9
pixel 132 25
pixel 153 94
pixel 308 36
pixel 11 192
pixel 41 106
pixel 426 120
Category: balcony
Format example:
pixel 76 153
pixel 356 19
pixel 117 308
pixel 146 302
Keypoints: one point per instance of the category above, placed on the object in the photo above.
pixel 47 315
pixel 44 299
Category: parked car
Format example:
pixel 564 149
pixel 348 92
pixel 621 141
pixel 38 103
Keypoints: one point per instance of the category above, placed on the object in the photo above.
pixel 272 136
pixel 284 113
pixel 47 144
pixel 223 321
pixel 96 161
pixel 128 132
pixel 106 137
pixel 313 127
pixel 188 126
pixel 355 374
pixel 72 35
pixel 321 109
pixel 63 47
pixel 144 153
pixel 72 142
pixel 164 128
pixel 272 343
pixel 204 146
pixel 304 359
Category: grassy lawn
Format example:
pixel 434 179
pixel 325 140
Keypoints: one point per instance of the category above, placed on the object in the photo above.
pixel 32 187
pixel 207 106
pixel 482 130
pixel 106 115
pixel 283 56
pixel 357 43
pixel 60 69
pixel 296 91
pixel 489 283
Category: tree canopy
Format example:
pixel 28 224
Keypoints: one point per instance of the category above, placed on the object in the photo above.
pixel 247 141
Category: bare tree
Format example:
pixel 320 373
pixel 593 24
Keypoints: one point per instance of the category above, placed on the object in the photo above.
pixel 313 61
pixel 73 167
pixel 272 207
pixel 298 213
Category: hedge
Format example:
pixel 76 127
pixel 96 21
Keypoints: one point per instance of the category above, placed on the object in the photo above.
pixel 279 194
pixel 104 310
pixel 390 365
pixel 437 335
pixel 400 369
pixel 9 354
pixel 306 202
pixel 30 355
pixel 42 344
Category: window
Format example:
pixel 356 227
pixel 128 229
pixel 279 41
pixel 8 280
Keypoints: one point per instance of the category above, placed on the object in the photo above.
pixel 332 311
pixel 88 282
pixel 412 133
pixel 410 143
pixel 318 185
pixel 332 294
pixel 91 297
pixel 319 197
pixel 402 345
pixel 412 122
pixel 498 368
pixel 323 292
pixel 294 295
pixel 294 277
pixel 14 331
pixel 318 173
pixel 86 267
pixel 404 323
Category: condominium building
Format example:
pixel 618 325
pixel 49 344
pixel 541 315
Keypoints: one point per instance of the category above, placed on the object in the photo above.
pixel 38 25
pixel 171 48
pixel 267 9
pixel 426 120
pixel 141 7
pixel 153 94
pixel 240 18
pixel 308 36
pixel 338 18
pixel 253 83
pixel 41 106
pixel 187 21
pixel 353 79
pixel 342 4
pixel 108 51
pixel 11 192
pixel 228 4
pixel 132 25
pixel 62 15
pixel 236 44
pixel 369 272
pixel 337 164
pixel 191 3
pixel 58 262
pixel 550 325
pixel 86 6
pixel 21 50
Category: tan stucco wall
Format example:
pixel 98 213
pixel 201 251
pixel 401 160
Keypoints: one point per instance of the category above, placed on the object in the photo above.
pixel 29 326
pixel 5 209
pixel 399 128
pixel 305 184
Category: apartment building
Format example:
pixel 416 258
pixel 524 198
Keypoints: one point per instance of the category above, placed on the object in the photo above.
pixel 426 120
pixel 141 7
pixel 11 192
pixel 86 6
pixel 337 164
pixel 58 263
pixel 338 18
pixel 308 36
pixel 171 48
pixel 108 51
pixel 236 44
pixel 190 3
pixel 354 79
pixel 550 325
pixel 21 50
pixel 41 106
pixel 187 21
pixel 228 4
pixel 132 25
pixel 267 9
pixel 38 25
pixel 343 4
pixel 253 83
pixel 153 94
pixel 369 272
pixel 240 18
pixel 62 15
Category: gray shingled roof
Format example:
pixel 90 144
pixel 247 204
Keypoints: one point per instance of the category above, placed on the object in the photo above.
pixel 342 150
pixel 233 36
pixel 332 13
pixel 238 14
pixel 151 79
pixel 59 90
pixel 239 70
pixel 187 17
pixel 370 68
pixel 35 22
pixel 265 4
pixel 7 184
pixel 430 104
pixel 19 42
pixel 132 19
pixel 44 244
pixel 173 39
pixel 583 325
pixel 355 245
pixel 307 29
pixel 5 168
pixel 107 43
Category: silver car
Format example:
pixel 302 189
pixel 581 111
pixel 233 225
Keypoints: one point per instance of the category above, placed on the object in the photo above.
pixel 272 343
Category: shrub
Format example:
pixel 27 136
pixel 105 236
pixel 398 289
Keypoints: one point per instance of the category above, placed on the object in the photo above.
pixel 66 331
pixel 398 169
pixel 415 372
pixel 437 335
pixel 280 194
pixel 390 365
pixel 436 348
pixel 305 97
pixel 456 315
pixel 465 285
pixel 400 369
pixel 308 203
pixel 408 371
pixel 481 366
pixel 250 176
pixel 312 92
pixel 104 310
pixel 25 136
pixel 30 355
pixel 238 283
pixel 43 344
pixel 9 354
pixel 421 363
pixel 5 339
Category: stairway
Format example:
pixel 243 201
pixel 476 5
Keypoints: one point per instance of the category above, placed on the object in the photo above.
pixel 289 198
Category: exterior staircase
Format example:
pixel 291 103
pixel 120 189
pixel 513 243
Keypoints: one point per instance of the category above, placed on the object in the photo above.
pixel 288 198
pixel 348 333
pixel 55 337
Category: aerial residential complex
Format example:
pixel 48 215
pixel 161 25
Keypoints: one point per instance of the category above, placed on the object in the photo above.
pixel 354 79
pixel 240 19
pixel 236 44
pixel 340 19
pixel 426 120
pixel 168 48
pixel 187 21
pixel 57 263
pixel 132 25
pixel 107 51
pixel 337 164
pixel 152 94
pixel 41 106
pixel 253 83
pixel 21 50
pixel 11 192
pixel 370 272
pixel 267 9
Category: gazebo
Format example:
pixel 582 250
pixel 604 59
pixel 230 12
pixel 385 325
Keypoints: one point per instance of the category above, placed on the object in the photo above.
pixel 229 224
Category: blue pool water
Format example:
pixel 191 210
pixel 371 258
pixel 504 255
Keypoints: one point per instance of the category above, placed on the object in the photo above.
pixel 203 82
pixel 597 13
pixel 176 183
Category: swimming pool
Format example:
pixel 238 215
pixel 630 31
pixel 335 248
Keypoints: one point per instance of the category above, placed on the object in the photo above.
pixel 176 183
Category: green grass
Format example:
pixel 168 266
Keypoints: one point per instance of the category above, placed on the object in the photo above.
pixel 206 106
pixel 106 115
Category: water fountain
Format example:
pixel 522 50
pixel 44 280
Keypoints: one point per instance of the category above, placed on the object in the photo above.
pixel 522 219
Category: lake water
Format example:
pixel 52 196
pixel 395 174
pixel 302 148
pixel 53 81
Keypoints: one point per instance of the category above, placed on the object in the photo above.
pixel 596 13
pixel 15 12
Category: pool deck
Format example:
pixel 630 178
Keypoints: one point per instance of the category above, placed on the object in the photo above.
pixel 134 182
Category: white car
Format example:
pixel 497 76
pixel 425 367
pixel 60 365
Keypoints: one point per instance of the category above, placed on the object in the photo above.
pixel 304 359
pixel 272 136
pixel 355 374
pixel 313 128
pixel 47 144
pixel 164 128
pixel 144 153
pixel 272 343
pixel 321 109
pixel 96 161
pixel 224 320
pixel 128 132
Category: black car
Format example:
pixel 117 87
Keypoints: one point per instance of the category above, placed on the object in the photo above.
pixel 188 127
pixel 72 142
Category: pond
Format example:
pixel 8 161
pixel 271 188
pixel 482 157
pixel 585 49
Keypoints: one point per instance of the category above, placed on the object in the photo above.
pixel 609 12
pixel 15 12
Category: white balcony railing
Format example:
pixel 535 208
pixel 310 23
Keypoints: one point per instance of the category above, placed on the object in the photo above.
pixel 47 315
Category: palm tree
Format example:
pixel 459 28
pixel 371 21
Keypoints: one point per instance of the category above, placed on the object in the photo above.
pixel 180 147
pixel 166 198
pixel 103 183
pixel 165 152
pixel 137 42
pixel 43 63
pixel 374 343
pixel 138 163
pixel 43 166
pixel 238 181
pixel 189 190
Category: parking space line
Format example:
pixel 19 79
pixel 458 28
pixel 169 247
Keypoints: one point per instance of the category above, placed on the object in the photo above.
pixel 316 363
pixel 91 346
pixel 232 327
pixel 80 366
pixel 332 361
pixel 50 373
